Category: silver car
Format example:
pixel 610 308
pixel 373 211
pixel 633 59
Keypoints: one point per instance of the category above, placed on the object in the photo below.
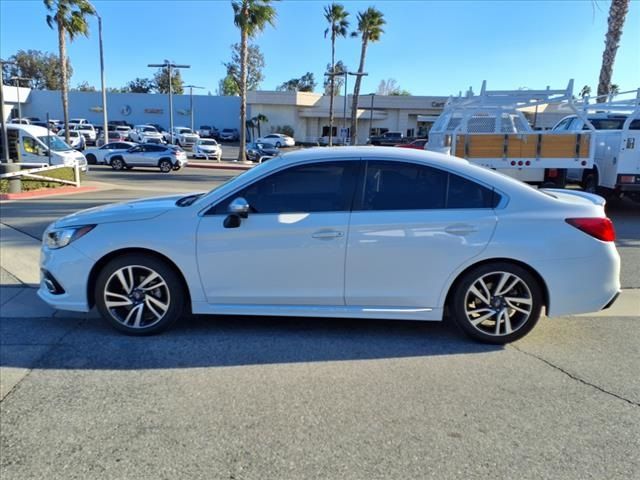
pixel 164 157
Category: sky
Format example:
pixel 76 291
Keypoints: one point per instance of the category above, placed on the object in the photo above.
pixel 429 47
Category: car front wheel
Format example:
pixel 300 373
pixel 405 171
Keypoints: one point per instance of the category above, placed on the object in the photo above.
pixel 497 303
pixel 117 163
pixel 139 295
pixel 165 166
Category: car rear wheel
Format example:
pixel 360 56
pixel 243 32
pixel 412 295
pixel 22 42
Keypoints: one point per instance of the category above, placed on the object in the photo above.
pixel 278 144
pixel 91 159
pixel 117 163
pixel 497 303
pixel 139 295
pixel 165 166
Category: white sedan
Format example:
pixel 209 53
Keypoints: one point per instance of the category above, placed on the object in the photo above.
pixel 98 154
pixel 76 139
pixel 362 232
pixel 277 140
pixel 207 148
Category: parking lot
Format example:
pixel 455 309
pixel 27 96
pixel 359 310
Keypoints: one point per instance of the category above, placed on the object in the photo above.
pixel 289 398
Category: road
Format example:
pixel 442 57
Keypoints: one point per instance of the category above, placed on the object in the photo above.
pixel 262 398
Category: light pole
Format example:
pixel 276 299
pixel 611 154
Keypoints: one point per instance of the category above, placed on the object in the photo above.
pixel 105 122
pixel 169 66
pixel 371 114
pixel 17 81
pixel 191 87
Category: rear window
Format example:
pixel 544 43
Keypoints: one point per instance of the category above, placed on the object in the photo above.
pixel 607 123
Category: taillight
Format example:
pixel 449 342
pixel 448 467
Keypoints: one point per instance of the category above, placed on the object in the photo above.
pixel 600 228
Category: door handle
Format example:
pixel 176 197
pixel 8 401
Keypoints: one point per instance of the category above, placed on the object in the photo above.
pixel 327 234
pixel 461 229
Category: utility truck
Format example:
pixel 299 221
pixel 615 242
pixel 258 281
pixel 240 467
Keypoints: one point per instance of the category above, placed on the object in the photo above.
pixel 491 130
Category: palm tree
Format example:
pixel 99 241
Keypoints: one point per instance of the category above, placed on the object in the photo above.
pixel 70 17
pixel 586 90
pixel 617 15
pixel 614 89
pixel 251 17
pixel 336 15
pixel 370 24
pixel 257 120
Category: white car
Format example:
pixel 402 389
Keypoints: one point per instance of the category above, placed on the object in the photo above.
pixel 207 148
pixel 87 130
pixel 76 139
pixel 79 121
pixel 182 136
pixel 277 140
pixel 362 232
pixel 164 157
pixel 145 133
pixel 99 154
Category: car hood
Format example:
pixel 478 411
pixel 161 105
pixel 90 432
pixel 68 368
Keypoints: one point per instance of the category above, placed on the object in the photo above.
pixel 121 212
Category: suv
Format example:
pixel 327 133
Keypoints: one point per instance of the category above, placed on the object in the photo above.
pixel 87 130
pixel 145 133
pixel 208 131
pixel 230 134
pixel 387 138
pixel 165 157
pixel 182 136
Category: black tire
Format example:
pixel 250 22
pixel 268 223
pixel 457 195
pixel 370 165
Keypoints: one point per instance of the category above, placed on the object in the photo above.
pixel 590 182
pixel 117 163
pixel 124 317
pixel 165 165
pixel 278 144
pixel 91 159
pixel 466 307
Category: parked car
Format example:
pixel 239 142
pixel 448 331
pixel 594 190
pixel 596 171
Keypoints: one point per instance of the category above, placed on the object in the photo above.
pixel 98 154
pixel 330 228
pixel 20 121
pixel 121 123
pixel 79 121
pixel 417 144
pixel 258 152
pixel 207 148
pixel 229 134
pixel 182 136
pixel 165 157
pixel 87 130
pixel 76 139
pixel 145 133
pixel 113 136
pixel 387 139
pixel 277 140
pixel 208 131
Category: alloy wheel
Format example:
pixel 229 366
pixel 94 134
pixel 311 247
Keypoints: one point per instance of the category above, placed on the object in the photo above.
pixel 498 303
pixel 137 296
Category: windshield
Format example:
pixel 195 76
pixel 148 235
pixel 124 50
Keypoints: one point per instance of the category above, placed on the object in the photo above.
pixel 184 130
pixel 207 142
pixel 55 143
pixel 149 129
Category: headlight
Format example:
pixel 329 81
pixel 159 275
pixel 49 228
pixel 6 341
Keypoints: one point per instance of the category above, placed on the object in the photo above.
pixel 61 237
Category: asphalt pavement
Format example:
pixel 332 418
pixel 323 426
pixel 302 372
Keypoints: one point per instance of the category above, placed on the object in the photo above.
pixel 261 398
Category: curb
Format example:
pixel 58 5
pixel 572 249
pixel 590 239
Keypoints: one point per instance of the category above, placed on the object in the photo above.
pixel 45 192
pixel 218 166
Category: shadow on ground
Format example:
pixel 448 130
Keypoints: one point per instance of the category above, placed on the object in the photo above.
pixel 223 341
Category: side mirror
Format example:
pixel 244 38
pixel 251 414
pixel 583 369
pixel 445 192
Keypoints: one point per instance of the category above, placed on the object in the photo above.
pixel 240 207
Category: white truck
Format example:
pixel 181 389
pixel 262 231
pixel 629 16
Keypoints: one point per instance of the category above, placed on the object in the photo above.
pixel 33 144
pixel 616 125
pixel 491 130
pixel 145 133
pixel 182 136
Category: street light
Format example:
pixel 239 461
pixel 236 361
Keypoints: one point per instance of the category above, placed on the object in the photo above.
pixel 191 87
pixel 169 66
pixel 17 81
pixel 105 121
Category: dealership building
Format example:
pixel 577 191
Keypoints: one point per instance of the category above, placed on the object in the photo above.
pixel 306 113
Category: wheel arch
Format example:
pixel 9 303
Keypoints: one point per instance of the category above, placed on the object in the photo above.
pixel 529 268
pixel 164 158
pixel 99 265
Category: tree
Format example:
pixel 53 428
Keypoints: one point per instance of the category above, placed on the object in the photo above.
pixel 614 89
pixel 617 15
pixel 370 24
pixel 251 17
pixel 70 18
pixel 257 120
pixel 586 91
pixel 336 16
pixel 339 67
pixel 255 65
pixel 161 81
pixel 140 85
pixel 42 68
pixel 305 83
pixel 390 87
pixel 228 86
pixel 84 87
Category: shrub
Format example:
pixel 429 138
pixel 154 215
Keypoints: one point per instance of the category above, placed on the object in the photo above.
pixel 63 173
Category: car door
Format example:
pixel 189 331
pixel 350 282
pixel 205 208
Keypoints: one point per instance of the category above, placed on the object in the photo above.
pixel 413 226
pixel 290 249
pixel 135 156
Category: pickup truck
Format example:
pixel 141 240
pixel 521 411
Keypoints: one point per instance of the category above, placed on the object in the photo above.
pixel 387 139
